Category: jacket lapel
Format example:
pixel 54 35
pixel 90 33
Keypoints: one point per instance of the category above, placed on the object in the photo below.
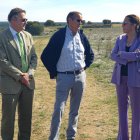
pixel 122 43
pixel 10 39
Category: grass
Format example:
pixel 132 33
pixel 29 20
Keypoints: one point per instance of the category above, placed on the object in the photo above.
pixel 98 118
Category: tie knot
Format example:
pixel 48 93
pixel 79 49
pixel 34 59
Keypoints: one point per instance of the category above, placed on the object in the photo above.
pixel 18 34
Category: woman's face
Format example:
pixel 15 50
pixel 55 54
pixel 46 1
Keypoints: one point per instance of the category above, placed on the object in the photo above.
pixel 127 26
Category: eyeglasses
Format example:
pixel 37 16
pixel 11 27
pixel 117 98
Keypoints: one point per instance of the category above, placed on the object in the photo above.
pixel 24 20
pixel 79 20
pixel 125 23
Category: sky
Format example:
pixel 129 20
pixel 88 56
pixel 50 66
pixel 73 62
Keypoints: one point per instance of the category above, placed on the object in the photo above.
pixel 57 10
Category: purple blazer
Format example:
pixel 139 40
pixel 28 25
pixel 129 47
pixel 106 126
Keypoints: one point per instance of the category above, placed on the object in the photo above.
pixel 132 58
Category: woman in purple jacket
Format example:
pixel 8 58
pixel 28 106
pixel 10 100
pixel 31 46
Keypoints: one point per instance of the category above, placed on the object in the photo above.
pixel 126 76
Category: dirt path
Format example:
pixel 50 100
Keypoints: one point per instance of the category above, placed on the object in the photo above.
pixel 96 121
pixel 98 113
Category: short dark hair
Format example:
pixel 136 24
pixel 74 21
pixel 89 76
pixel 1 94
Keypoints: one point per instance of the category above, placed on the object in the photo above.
pixel 14 12
pixel 72 15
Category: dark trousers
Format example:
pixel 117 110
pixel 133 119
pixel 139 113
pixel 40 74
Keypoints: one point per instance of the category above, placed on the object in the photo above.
pixel 23 100
pixel 128 95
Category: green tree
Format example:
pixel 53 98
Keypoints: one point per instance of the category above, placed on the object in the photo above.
pixel 35 28
pixel 106 21
pixel 89 22
pixel 49 23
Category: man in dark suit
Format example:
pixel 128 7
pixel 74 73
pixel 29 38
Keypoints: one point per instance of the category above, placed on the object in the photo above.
pixel 66 57
pixel 18 62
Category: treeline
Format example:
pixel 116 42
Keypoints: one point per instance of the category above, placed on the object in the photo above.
pixel 3 25
pixel 37 28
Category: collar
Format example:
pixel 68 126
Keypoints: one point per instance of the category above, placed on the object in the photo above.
pixel 13 31
pixel 68 30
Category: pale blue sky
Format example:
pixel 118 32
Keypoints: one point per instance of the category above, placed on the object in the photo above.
pixel 57 10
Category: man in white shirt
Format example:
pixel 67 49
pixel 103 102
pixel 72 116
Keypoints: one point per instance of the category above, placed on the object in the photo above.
pixel 66 56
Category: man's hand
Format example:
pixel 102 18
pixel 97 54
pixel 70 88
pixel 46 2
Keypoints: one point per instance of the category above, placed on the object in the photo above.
pixel 25 79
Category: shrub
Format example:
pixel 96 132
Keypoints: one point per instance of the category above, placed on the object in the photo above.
pixel 35 28
pixel 49 23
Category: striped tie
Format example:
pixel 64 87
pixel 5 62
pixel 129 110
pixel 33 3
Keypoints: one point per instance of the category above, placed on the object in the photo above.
pixel 22 50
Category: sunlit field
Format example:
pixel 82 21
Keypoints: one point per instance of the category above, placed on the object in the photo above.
pixel 98 118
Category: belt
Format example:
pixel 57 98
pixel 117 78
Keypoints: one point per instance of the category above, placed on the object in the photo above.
pixel 76 72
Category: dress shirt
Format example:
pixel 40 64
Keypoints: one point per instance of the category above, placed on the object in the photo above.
pixel 14 33
pixel 72 54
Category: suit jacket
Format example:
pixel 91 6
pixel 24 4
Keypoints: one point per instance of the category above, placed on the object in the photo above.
pixel 132 58
pixel 10 62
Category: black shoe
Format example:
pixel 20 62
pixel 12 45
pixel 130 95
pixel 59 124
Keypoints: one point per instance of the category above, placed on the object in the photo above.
pixel 70 139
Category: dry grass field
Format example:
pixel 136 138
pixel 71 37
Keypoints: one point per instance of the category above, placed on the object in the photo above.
pixel 98 113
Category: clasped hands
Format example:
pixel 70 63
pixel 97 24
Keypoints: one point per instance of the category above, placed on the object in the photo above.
pixel 25 79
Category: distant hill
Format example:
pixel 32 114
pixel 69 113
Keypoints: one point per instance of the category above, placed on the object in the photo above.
pixel 3 25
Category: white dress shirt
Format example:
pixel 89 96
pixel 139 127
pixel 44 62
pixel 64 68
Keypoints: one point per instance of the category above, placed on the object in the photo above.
pixel 72 54
pixel 14 33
